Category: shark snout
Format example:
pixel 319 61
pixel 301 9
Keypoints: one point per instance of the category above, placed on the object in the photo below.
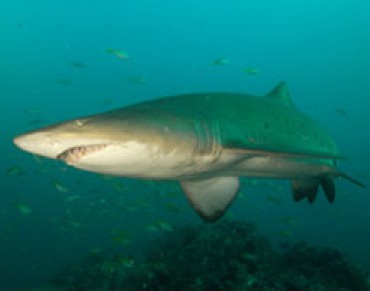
pixel 38 143
pixel 24 141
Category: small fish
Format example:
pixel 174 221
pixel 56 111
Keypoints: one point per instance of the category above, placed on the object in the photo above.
pixel 151 228
pixel 141 202
pixel 60 187
pixel 108 101
pixel 341 111
pixel 77 64
pixel 131 209
pixel 241 195
pixel 95 250
pixel 37 159
pixel 126 262
pixel 73 224
pixel 72 198
pixel 173 207
pixel 164 226
pixel 220 62
pixel 64 81
pixel 136 80
pixel 118 53
pixel 14 171
pixel 284 245
pixel 251 71
pixel 285 233
pixel 289 220
pixel 107 178
pixel 249 257
pixel 274 199
pixel 159 225
pixel 32 111
pixel 35 121
pixel 120 187
pixel 120 236
pixel 252 182
pixel 24 209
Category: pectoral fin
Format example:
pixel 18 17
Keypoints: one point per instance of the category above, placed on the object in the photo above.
pixel 211 197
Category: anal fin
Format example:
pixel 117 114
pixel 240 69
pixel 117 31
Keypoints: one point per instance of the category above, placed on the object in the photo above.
pixel 211 197
pixel 305 188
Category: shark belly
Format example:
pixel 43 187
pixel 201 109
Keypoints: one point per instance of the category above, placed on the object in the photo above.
pixel 283 168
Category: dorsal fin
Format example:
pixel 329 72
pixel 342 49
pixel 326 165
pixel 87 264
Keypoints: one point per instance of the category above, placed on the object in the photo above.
pixel 280 93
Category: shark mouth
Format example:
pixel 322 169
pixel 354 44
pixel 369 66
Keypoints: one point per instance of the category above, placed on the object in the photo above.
pixel 74 154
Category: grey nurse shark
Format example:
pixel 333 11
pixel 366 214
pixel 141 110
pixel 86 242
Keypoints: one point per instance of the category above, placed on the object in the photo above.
pixel 205 141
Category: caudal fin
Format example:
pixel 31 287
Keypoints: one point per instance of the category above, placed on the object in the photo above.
pixel 354 181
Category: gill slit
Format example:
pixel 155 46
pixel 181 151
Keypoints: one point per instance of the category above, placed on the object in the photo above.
pixel 208 138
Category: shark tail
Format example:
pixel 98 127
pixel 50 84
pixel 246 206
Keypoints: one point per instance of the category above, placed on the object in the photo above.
pixel 308 188
pixel 354 181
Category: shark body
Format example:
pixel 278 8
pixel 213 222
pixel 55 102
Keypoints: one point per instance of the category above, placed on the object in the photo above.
pixel 206 141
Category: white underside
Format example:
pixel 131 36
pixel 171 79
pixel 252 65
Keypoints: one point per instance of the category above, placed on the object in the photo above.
pixel 134 159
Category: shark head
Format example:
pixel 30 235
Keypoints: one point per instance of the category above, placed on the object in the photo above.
pixel 56 141
pixel 114 143
pixel 100 143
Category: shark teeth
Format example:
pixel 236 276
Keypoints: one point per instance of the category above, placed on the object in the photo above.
pixel 74 154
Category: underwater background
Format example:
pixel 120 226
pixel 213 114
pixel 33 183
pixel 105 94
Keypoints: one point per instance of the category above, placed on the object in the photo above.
pixel 64 59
